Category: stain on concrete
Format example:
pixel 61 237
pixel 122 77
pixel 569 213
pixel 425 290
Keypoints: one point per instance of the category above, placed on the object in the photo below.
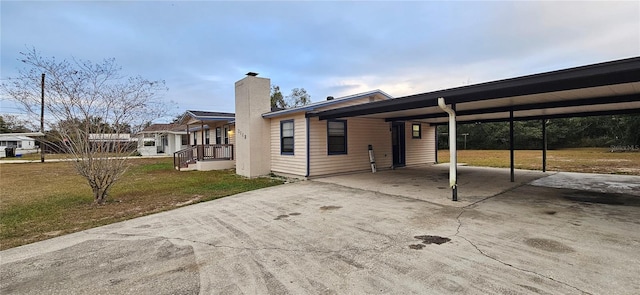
pixel 327 208
pixel 426 239
pixel 150 266
pixel 416 246
pixel 604 198
pixel 281 217
pixel 550 212
pixel 294 214
pixel 548 245
pixel 274 286
pixel 349 261
pixel 532 289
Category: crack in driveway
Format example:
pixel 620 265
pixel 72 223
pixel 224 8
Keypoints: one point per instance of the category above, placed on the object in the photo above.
pixel 457 234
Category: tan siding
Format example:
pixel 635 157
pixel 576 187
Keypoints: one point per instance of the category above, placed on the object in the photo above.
pixel 420 151
pixel 295 164
pixel 360 133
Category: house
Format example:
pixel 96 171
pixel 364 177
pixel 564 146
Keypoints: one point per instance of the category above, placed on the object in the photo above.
pixel 334 136
pixel 112 142
pixel 210 141
pixel 295 143
pixel 23 143
pixel 162 139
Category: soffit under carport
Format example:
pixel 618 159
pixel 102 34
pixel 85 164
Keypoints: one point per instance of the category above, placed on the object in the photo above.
pixel 612 87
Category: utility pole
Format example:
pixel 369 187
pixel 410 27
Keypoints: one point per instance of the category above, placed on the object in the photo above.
pixel 42 120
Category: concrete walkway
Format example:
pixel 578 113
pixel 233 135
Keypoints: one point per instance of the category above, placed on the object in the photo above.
pixel 323 237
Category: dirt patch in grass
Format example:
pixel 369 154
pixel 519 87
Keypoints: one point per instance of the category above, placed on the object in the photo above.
pixel 587 160
pixel 42 200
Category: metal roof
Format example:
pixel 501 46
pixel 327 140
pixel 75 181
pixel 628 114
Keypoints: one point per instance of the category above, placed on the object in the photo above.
pixel 171 127
pixel 319 104
pixel 604 88
pixel 192 117
pixel 11 137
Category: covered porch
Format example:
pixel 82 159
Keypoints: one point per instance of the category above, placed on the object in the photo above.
pixel 211 142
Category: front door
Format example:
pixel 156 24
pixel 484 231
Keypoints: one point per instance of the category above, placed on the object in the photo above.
pixel 397 141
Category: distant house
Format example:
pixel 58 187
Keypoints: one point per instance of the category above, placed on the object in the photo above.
pixel 23 143
pixel 210 140
pixel 162 139
pixel 112 142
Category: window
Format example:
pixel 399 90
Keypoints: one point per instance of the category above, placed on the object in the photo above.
pixel 286 137
pixel 184 139
pixel 225 135
pixel 337 137
pixel 416 130
pixel 218 135
pixel 206 136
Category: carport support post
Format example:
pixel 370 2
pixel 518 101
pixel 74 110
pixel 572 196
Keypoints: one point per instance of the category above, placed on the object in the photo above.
pixel 511 146
pixel 453 152
pixel 436 140
pixel 544 145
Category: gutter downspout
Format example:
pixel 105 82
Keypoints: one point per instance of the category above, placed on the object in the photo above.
pixel 308 156
pixel 453 159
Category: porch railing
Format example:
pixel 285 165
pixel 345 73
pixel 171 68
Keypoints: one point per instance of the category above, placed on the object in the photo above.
pixel 182 158
pixel 190 155
pixel 217 152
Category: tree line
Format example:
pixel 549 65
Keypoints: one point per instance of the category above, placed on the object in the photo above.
pixel 598 131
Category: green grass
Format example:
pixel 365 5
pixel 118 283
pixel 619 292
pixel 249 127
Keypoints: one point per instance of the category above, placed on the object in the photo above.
pixel 42 200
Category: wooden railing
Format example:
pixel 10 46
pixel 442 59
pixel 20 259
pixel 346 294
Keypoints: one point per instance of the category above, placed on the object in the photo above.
pixel 217 151
pixel 190 155
pixel 182 158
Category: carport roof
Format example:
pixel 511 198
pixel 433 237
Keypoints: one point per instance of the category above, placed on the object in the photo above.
pixel 598 89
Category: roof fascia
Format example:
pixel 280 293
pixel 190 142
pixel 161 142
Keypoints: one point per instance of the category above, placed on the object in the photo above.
pixel 533 106
pixel 326 103
pixel 608 73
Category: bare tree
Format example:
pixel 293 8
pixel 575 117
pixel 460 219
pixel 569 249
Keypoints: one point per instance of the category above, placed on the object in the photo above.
pixel 277 100
pixel 298 97
pixel 92 108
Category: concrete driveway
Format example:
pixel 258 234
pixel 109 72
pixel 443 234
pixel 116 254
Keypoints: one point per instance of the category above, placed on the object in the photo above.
pixel 334 236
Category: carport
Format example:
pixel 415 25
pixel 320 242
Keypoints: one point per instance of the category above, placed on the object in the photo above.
pixel 599 89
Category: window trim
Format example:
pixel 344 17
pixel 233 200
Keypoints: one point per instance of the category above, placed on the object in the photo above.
pixel 413 135
pixel 184 139
pixel 329 152
pixel 218 135
pixel 293 129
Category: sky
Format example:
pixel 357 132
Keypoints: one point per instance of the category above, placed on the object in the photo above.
pixel 200 48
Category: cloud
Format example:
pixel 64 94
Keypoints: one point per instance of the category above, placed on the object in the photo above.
pixel 329 48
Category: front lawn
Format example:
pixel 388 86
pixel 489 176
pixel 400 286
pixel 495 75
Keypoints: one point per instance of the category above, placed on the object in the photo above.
pixel 43 200
pixel 588 160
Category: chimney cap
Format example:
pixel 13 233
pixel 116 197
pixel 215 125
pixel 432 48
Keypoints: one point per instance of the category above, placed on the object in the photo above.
pixel 252 74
